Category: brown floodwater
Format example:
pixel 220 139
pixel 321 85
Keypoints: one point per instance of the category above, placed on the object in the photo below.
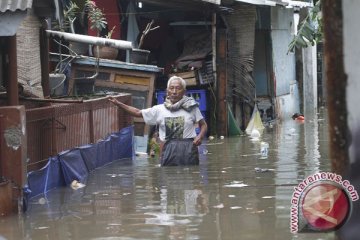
pixel 235 193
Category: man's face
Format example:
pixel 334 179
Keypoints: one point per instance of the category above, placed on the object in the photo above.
pixel 175 91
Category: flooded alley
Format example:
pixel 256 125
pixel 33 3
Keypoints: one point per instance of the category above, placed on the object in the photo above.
pixel 235 193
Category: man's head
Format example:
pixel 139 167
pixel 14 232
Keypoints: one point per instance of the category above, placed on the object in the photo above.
pixel 176 88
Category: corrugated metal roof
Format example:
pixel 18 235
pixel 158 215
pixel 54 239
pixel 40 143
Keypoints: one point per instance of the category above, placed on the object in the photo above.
pixel 287 3
pixel 13 5
pixel 218 2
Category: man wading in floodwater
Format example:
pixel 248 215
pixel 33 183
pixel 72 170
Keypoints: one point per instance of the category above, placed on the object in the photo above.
pixel 177 119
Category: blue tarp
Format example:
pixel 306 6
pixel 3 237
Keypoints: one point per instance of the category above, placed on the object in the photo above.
pixel 75 164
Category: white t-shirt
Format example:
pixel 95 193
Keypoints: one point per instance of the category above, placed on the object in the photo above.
pixel 176 124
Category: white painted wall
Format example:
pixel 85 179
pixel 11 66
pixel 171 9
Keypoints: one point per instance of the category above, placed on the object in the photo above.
pixel 287 93
pixel 310 81
pixel 283 63
pixel 351 9
pixel 288 104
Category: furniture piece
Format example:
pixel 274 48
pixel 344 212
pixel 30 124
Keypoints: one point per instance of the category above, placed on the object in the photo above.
pixel 89 77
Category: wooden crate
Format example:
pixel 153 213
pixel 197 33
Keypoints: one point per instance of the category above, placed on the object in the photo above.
pixel 189 77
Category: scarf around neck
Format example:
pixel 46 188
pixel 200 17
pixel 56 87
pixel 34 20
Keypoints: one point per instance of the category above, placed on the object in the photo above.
pixel 186 103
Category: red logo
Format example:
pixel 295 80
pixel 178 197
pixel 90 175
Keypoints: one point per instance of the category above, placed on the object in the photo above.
pixel 325 206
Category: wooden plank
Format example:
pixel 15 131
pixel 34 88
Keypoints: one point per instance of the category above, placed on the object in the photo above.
pixel 189 77
pixel 135 80
pixel 190 81
pixel 122 86
pixel 184 75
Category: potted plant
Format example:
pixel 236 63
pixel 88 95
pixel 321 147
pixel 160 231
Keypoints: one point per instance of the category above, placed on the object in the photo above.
pixel 96 17
pixel 138 55
pixel 98 22
pixel 106 51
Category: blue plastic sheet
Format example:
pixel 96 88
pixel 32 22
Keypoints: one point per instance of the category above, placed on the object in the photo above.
pixel 55 177
pixel 75 164
pixel 44 179
pixel 126 143
pixel 37 181
pixel 104 154
pixel 89 155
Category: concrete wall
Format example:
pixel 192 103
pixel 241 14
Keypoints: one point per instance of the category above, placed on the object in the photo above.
pixel 351 17
pixel 283 63
pixel 288 104
pixel 286 89
pixel 351 39
pixel 309 81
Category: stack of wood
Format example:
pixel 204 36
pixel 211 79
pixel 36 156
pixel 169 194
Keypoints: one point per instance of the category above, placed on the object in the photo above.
pixel 190 77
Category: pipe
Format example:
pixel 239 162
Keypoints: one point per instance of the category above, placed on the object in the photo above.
pixel 120 44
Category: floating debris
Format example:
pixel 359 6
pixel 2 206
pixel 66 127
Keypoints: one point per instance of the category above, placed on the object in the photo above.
pixel 76 185
pixel 268 197
pixel 248 155
pixel 255 135
pixel 260 170
pixel 40 228
pixel 114 224
pixel 142 154
pixel 235 207
pixel 264 149
pixel 219 206
pixel 42 201
pixel 217 143
pixel 236 185
pixel 257 212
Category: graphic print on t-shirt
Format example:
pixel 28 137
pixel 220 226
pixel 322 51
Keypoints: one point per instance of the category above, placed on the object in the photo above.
pixel 174 127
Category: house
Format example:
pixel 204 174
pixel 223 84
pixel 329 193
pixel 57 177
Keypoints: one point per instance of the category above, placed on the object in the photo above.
pixel 33 126
pixel 231 53
pixel 234 50
pixel 20 72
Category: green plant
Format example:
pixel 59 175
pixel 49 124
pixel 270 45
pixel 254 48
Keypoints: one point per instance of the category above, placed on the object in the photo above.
pixel 96 17
pixel 310 31
pixel 69 14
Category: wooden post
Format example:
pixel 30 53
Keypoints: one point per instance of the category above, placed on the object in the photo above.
pixel 221 83
pixel 13 152
pixel 53 136
pixel 336 85
pixel 91 124
pixel 12 87
pixel 44 59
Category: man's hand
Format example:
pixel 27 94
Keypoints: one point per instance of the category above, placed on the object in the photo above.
pixel 197 140
pixel 113 100
pixel 129 109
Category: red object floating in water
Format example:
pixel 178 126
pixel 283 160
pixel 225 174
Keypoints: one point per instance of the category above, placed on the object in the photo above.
pixel 300 118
